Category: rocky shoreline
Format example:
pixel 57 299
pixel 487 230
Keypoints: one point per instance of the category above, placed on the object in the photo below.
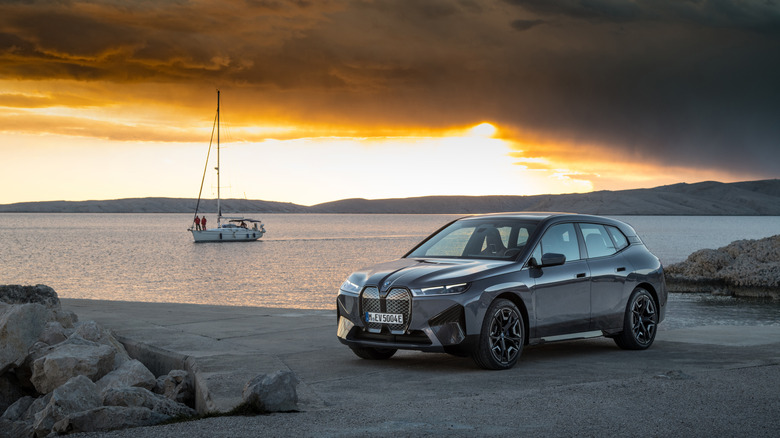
pixel 59 375
pixel 743 268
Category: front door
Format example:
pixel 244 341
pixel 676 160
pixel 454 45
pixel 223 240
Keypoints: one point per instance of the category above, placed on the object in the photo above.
pixel 561 293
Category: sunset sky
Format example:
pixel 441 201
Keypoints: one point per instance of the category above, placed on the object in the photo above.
pixel 325 100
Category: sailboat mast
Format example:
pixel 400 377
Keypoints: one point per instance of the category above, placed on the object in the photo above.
pixel 219 209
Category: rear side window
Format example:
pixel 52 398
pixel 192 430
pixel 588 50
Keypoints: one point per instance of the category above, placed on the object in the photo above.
pixel 620 239
pixel 597 241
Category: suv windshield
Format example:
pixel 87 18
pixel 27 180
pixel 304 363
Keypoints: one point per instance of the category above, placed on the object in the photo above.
pixel 487 238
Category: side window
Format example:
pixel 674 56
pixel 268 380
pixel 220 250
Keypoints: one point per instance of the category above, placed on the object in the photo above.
pixel 620 240
pixel 561 239
pixel 597 241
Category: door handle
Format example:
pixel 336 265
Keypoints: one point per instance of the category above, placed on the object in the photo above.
pixel 581 275
pixel 621 269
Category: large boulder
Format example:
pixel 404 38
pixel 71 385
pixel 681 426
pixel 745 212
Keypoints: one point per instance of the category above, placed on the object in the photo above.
pixel 78 394
pixel 130 373
pixel 140 397
pixel 20 327
pixel 272 392
pixel 92 331
pixel 40 294
pixel 177 386
pixel 68 360
pixel 742 268
pixel 105 418
pixel 54 332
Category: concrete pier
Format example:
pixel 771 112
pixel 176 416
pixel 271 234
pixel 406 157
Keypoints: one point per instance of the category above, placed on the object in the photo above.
pixel 696 381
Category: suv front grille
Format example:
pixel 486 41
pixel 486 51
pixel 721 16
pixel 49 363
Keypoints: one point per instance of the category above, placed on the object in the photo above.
pixel 397 301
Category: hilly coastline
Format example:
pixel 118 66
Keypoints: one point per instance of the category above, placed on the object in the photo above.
pixel 749 198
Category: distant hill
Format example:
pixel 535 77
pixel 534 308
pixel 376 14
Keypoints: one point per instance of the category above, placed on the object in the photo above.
pixel 749 198
pixel 706 198
pixel 152 205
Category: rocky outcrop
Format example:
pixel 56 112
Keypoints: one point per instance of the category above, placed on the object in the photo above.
pixel 143 398
pixel 39 294
pixel 747 268
pixel 76 395
pixel 132 373
pixel 49 366
pixel 20 327
pixel 273 392
pixel 69 360
pixel 177 386
pixel 105 418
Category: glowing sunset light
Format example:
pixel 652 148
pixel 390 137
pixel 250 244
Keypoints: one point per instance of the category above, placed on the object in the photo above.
pixel 483 130
pixel 331 100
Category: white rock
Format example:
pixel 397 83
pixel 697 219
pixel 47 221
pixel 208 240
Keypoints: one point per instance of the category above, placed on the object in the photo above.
pixel 107 418
pixel 76 395
pixel 20 327
pixel 131 373
pixel 92 331
pixel 68 360
pixel 53 333
pixel 141 397
pixel 272 392
pixel 176 386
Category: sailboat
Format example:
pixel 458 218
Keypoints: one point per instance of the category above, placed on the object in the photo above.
pixel 229 228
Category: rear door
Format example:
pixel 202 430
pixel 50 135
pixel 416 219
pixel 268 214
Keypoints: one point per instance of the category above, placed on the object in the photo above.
pixel 609 270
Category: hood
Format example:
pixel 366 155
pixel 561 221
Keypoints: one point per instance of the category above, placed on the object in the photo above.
pixel 420 273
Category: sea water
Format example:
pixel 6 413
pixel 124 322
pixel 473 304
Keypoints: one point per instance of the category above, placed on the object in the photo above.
pixel 299 263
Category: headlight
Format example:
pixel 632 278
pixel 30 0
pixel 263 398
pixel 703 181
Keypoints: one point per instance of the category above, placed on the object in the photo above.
pixel 441 290
pixel 350 287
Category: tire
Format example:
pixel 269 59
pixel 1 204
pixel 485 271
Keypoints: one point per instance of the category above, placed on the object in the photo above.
pixel 371 353
pixel 640 322
pixel 502 337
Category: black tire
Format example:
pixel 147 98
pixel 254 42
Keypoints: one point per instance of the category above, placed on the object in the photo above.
pixel 640 322
pixel 371 353
pixel 502 337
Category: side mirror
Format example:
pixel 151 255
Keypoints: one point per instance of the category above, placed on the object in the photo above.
pixel 553 259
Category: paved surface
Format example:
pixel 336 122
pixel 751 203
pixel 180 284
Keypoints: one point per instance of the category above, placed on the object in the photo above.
pixel 700 381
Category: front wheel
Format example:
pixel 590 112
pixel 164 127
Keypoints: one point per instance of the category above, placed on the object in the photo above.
pixel 502 336
pixel 371 353
pixel 639 323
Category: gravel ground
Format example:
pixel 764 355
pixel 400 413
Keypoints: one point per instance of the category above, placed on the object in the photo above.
pixel 727 402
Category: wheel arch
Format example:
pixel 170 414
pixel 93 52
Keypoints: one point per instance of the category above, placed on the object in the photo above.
pixel 514 298
pixel 649 287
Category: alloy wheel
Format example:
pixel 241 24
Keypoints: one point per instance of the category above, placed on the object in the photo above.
pixel 506 335
pixel 643 319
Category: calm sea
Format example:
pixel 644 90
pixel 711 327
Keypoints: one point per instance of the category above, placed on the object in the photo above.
pixel 300 263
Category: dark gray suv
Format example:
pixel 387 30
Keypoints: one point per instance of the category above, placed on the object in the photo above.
pixel 484 286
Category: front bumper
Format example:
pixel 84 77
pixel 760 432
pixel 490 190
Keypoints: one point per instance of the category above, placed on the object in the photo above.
pixel 436 324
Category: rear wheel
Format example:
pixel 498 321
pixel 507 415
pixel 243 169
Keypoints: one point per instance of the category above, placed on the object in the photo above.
pixel 502 336
pixel 639 323
pixel 371 353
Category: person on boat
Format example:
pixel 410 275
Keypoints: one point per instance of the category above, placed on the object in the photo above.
pixel 197 223
pixel 203 223
pixel 243 224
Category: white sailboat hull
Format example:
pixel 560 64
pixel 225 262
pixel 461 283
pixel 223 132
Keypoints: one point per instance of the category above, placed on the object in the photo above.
pixel 227 235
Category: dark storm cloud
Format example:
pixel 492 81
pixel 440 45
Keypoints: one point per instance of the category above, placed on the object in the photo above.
pixel 685 82
pixel 666 81
pixel 525 24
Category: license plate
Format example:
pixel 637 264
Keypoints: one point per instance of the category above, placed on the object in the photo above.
pixel 385 318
